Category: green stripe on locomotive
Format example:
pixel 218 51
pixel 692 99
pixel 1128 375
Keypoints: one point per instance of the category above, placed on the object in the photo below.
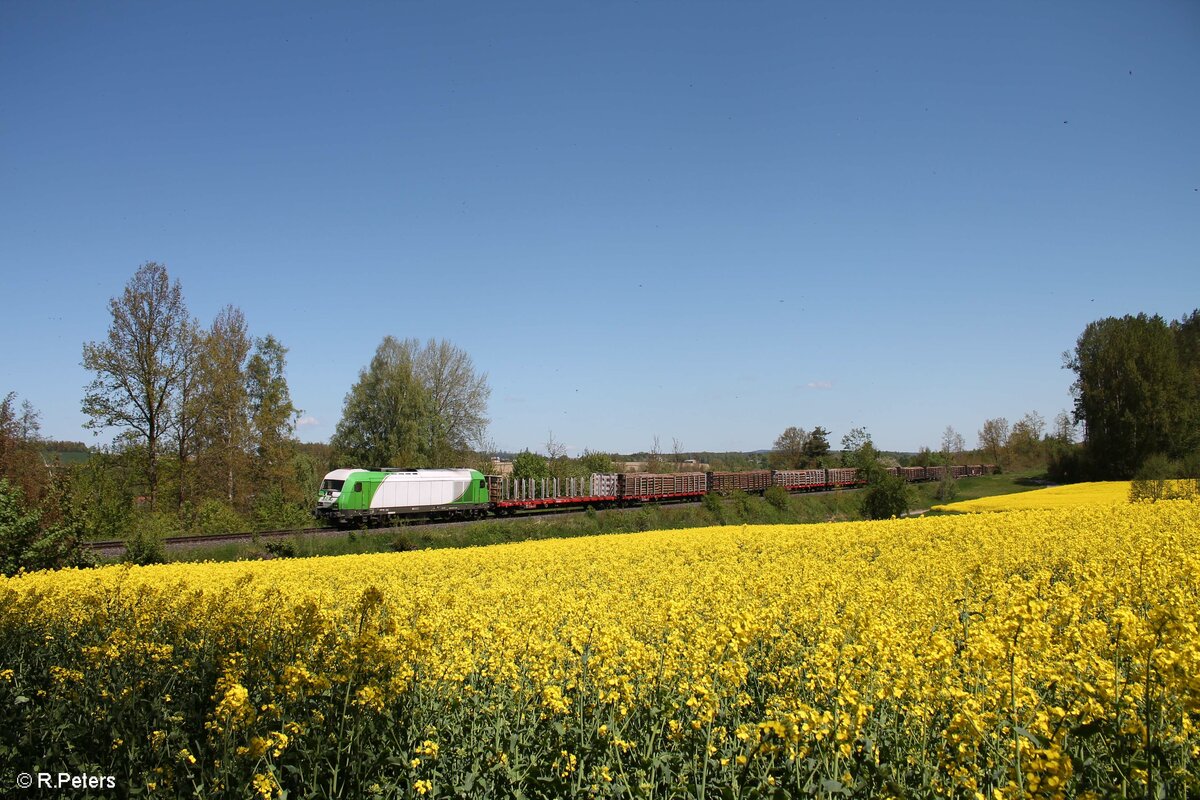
pixel 477 491
pixel 358 490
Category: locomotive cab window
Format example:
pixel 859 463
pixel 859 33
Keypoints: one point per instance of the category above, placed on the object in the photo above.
pixel 335 486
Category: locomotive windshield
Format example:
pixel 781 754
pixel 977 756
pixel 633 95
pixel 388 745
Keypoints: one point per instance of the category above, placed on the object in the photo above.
pixel 335 486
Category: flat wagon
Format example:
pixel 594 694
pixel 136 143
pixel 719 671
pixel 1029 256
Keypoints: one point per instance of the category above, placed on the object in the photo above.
pixel 757 481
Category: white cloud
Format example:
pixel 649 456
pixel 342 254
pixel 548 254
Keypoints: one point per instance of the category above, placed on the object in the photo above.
pixel 304 422
pixel 819 385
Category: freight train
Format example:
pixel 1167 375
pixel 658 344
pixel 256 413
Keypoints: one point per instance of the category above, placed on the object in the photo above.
pixel 358 497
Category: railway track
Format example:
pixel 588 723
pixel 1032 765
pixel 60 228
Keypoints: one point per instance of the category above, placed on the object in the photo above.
pixel 115 547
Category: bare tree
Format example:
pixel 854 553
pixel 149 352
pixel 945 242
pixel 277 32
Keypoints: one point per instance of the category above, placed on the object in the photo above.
pixel 953 444
pixel 654 463
pixel 139 367
pixel 554 449
pixel 1064 428
pixel 677 452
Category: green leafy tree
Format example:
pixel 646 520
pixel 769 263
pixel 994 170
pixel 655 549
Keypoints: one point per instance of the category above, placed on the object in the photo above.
pixel 791 448
pixel 778 497
pixel 858 450
pixel 530 465
pixel 457 397
pixel 273 417
pixel 886 495
pixel 105 484
pixel 927 458
pixel 1136 390
pixel 947 488
pixel 139 366
pixel 146 541
pixel 816 448
pixel 993 436
pixel 414 405
pixel 384 417
pixel 1024 445
pixel 594 463
pixel 1187 340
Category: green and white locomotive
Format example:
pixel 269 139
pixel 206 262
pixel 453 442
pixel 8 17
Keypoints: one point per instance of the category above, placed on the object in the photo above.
pixel 354 497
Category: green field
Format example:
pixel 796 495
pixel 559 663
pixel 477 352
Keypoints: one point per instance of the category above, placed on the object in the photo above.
pixel 985 486
pixel 65 457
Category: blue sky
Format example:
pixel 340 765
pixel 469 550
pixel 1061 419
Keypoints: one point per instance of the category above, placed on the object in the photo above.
pixel 699 221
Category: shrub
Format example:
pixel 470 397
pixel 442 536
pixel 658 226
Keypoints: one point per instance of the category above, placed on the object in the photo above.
pixel 778 497
pixel 886 496
pixel 146 543
pixel 715 508
pixel 26 542
pixel 644 520
pixel 213 516
pixel 402 542
pixel 272 512
pixel 947 489
pixel 281 548
pixel 743 503
pixel 1159 479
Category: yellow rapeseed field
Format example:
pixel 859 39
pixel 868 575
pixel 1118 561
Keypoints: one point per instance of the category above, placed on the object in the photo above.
pixel 1070 495
pixel 1045 653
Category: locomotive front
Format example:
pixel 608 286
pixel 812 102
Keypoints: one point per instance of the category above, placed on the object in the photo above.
pixel 330 491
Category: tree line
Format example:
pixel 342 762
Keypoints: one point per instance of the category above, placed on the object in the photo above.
pixel 203 430
pixel 202 416
pixel 202 425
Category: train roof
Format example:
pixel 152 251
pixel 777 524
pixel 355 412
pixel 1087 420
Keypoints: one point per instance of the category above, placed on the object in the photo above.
pixel 444 474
